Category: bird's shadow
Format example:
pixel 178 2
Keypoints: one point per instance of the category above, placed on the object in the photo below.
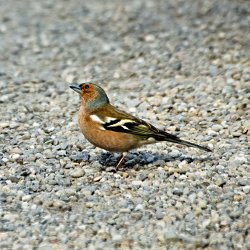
pixel 142 158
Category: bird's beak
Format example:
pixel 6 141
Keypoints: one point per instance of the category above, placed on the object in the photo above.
pixel 76 88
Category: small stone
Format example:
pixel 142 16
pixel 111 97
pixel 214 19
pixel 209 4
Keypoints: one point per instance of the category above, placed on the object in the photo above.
pixel 82 156
pixel 26 198
pixel 143 176
pixel 62 162
pixel 236 134
pixel 202 204
pixel 15 156
pixel 206 223
pixel 45 246
pixel 3 84
pixel 227 58
pixel 177 66
pixel 48 153
pixel 49 129
pixel 139 207
pixel 217 127
pixel 177 191
pixel 213 70
pixel 236 213
pixel 136 184
pixel 24 171
pixel 117 237
pixel 175 153
pixel 149 38
pixel 5 159
pixel 220 181
pixel 246 189
pixel 236 76
pixel 159 214
pixel 61 152
pixel 242 182
pixel 4 98
pixel 110 169
pixel 57 203
pixel 98 178
pixel 77 173
pixel 13 125
pixel 237 197
pixel 25 136
pixel 172 128
pixel 125 175
pixel 136 215
pixel 237 161
pixel 150 158
pixel 4 125
pixel 170 234
pixel 13 178
pixel 89 204
pixel 245 127
pixel 211 132
pixel 16 151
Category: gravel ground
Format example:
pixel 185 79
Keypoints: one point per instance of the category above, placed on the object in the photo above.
pixel 182 65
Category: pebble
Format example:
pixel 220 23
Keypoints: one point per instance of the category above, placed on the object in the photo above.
pixel 77 173
pixel 136 184
pixel 245 127
pixel 170 234
pixel 246 189
pixel 15 156
pixel 26 198
pixel 83 156
pixel 4 99
pixel 237 161
pixel 175 153
pixel 98 178
pixel 4 125
pixel 159 214
pixel 177 191
pixel 220 181
pixel 211 132
pixel 117 237
pixel 216 127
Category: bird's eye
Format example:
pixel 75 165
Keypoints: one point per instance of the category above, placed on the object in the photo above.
pixel 86 86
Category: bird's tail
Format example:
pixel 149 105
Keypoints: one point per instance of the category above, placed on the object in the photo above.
pixel 164 136
pixel 190 144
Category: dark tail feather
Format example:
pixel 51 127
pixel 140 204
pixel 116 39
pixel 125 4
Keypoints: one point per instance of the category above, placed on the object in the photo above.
pixel 190 144
pixel 173 138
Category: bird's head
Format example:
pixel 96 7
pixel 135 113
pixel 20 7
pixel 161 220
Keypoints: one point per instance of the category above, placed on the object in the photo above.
pixel 92 95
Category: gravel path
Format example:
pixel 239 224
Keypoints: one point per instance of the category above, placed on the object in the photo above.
pixel 182 65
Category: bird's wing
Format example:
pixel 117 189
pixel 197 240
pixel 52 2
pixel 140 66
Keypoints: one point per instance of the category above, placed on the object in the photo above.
pixel 111 118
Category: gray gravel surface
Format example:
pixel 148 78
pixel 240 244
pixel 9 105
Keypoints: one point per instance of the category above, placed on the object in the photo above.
pixel 182 65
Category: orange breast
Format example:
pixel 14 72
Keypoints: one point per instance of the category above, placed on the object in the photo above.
pixel 108 140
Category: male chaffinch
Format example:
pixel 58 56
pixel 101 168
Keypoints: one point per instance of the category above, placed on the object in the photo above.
pixel 114 130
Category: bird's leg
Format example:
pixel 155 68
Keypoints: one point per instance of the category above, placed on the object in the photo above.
pixel 121 159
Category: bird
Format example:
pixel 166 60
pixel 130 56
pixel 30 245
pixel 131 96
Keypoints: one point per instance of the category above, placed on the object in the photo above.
pixel 112 129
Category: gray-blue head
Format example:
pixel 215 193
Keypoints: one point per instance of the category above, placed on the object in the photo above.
pixel 91 94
